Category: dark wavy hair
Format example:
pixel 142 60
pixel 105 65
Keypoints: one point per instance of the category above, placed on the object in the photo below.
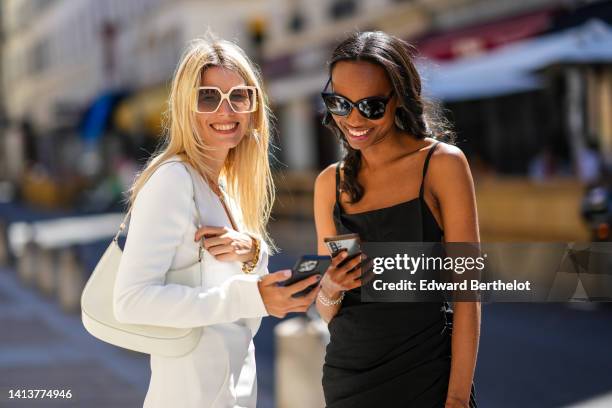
pixel 414 114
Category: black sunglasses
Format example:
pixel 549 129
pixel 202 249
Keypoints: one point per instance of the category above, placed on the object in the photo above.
pixel 372 107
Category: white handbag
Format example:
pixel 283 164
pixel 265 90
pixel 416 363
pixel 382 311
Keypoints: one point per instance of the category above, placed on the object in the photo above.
pixel 97 304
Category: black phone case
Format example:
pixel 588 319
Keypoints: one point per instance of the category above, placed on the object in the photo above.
pixel 300 271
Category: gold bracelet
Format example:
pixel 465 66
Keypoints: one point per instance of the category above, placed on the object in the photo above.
pixel 249 266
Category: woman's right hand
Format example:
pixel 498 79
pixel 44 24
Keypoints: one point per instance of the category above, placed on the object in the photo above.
pixel 339 279
pixel 279 300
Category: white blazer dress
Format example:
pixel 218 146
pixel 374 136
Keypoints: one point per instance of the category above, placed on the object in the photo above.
pixel 220 371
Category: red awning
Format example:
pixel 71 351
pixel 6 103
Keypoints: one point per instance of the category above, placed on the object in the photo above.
pixel 477 39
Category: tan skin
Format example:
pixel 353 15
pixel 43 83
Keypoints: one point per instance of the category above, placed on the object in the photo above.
pixel 387 151
pixel 228 244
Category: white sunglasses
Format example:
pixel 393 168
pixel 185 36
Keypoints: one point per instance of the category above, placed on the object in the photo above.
pixel 241 98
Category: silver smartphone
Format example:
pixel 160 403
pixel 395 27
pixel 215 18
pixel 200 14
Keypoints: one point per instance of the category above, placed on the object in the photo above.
pixel 348 242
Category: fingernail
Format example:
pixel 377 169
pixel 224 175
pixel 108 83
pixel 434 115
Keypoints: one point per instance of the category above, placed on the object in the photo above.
pixel 344 255
pixel 287 272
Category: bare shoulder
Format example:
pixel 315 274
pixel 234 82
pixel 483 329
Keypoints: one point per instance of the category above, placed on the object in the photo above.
pixel 449 171
pixel 447 159
pixel 325 184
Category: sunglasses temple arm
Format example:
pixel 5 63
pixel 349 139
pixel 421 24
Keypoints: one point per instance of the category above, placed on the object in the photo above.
pixel 327 84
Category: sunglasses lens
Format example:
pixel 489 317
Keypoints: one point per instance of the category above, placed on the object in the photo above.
pixel 372 109
pixel 208 100
pixel 337 105
pixel 242 99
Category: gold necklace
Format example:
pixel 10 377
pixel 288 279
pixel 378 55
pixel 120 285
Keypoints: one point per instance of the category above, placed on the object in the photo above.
pixel 223 203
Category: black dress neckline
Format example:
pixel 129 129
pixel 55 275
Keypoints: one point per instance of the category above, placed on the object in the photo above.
pixel 340 210
pixel 426 215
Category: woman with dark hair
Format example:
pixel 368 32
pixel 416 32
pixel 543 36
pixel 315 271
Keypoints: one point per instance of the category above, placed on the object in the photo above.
pixel 396 183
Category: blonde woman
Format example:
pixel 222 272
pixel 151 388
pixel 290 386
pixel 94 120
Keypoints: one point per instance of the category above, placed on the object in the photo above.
pixel 218 123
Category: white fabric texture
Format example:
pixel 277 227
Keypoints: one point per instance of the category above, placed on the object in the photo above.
pixel 220 371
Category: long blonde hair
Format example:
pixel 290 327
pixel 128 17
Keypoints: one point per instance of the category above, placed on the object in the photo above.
pixel 246 170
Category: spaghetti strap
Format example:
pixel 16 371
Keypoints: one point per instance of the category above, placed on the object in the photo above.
pixel 338 183
pixel 425 166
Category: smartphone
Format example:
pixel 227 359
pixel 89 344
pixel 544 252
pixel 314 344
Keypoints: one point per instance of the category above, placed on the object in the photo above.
pixel 348 242
pixel 305 267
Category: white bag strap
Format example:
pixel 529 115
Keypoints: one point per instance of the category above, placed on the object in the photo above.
pixel 190 170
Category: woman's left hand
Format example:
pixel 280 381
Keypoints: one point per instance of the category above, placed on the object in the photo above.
pixel 225 244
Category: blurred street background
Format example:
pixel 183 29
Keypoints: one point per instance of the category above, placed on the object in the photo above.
pixel 84 84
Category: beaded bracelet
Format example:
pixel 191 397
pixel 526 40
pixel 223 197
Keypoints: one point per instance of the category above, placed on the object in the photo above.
pixel 325 301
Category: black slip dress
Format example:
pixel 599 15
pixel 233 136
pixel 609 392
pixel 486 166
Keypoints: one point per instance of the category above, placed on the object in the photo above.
pixel 389 354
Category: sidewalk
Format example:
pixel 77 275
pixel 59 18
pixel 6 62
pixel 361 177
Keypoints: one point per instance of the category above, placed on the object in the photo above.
pixel 43 348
